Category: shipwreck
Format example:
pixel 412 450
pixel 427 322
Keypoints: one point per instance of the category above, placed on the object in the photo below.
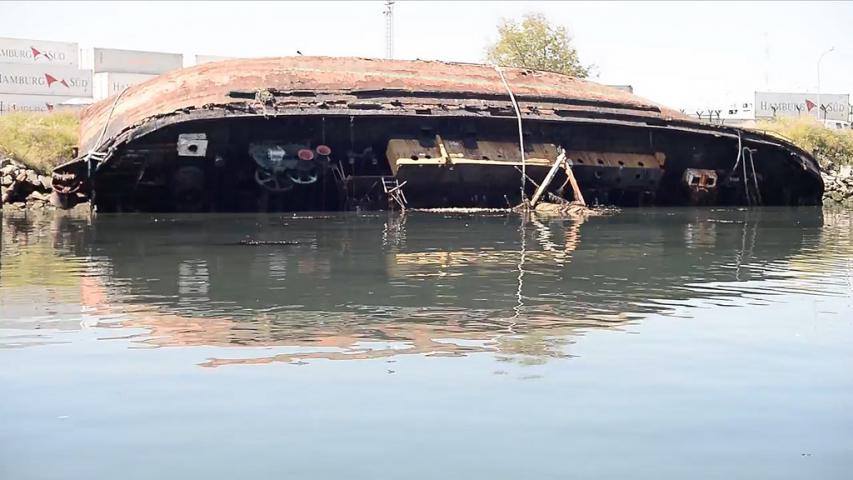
pixel 320 133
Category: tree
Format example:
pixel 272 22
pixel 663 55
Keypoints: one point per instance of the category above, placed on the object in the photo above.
pixel 536 44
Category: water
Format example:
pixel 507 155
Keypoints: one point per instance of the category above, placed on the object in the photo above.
pixel 688 343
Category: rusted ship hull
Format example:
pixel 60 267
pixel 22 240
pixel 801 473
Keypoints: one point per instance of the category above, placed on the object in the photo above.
pixel 311 133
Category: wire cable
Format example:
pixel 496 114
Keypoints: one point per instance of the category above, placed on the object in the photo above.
pixel 520 134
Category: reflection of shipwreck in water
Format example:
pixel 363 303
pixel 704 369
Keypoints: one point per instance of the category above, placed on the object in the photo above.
pixel 311 133
pixel 332 293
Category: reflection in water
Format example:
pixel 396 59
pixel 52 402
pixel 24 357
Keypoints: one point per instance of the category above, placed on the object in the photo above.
pixel 648 344
pixel 371 286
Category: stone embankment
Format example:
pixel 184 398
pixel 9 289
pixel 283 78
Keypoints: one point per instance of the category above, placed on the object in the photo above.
pixel 838 185
pixel 23 186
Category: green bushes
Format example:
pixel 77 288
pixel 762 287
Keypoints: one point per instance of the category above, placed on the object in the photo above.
pixel 827 145
pixel 39 140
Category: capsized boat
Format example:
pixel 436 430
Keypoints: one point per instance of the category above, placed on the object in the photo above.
pixel 323 133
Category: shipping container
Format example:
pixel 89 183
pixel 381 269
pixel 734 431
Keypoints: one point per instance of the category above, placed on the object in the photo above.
pixel 107 84
pixel 45 80
pixel 32 103
pixel 624 88
pixel 131 61
pixel 826 106
pixel 38 52
pixel 199 59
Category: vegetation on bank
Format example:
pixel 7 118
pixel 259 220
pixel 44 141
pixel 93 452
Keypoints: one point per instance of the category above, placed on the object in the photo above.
pixel 39 140
pixel 829 146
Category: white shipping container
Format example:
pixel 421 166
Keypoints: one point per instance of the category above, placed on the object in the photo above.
pixel 107 84
pixel 38 52
pixel 31 103
pixel 199 59
pixel 134 61
pixel 624 88
pixel 45 80
pixel 829 106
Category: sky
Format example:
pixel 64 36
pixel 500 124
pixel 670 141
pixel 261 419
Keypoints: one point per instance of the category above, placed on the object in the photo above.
pixel 684 55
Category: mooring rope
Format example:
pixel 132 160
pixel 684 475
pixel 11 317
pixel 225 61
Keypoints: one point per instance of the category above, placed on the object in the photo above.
pixel 107 123
pixel 740 150
pixel 746 183
pixel 520 133
pixel 754 175
pixel 93 152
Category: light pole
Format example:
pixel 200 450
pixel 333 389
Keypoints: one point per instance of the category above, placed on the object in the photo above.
pixel 818 81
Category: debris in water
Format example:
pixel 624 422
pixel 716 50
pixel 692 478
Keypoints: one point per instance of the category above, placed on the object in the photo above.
pixel 255 243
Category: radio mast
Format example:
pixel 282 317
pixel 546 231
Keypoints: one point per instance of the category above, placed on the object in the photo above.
pixel 389 29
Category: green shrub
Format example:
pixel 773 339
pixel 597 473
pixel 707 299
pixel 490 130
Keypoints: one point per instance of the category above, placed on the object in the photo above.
pixel 829 146
pixel 39 140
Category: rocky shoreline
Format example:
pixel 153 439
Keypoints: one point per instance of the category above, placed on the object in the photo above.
pixel 23 187
pixel 838 185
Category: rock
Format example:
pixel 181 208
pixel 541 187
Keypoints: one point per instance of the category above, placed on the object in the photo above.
pixel 46 182
pixel 7 180
pixel 9 193
pixel 11 162
pixel 8 169
pixel 838 184
pixel 33 177
pixel 39 196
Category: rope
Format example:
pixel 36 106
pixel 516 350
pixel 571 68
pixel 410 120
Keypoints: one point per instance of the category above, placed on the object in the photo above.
pixel 94 153
pixel 520 133
pixel 754 175
pixel 107 123
pixel 740 150
pixel 746 185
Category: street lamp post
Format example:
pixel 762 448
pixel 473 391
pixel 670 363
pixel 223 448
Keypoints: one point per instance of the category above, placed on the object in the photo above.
pixel 818 82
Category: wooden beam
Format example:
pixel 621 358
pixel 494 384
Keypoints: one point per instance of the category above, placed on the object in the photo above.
pixel 575 188
pixel 548 178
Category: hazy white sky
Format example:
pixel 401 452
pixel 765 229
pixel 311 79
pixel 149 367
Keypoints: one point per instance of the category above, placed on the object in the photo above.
pixel 685 55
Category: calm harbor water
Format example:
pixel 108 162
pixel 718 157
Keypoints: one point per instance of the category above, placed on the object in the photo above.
pixel 649 344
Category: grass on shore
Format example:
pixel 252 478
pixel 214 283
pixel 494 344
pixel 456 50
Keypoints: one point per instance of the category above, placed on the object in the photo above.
pixel 829 146
pixel 39 140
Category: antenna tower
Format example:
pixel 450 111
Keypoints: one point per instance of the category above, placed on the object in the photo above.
pixel 389 29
